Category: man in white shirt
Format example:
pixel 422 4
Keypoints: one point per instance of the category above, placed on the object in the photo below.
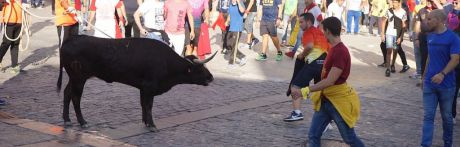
pixel 153 14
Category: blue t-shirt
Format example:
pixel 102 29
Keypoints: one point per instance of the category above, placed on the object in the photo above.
pixel 270 10
pixel 440 47
pixel 236 18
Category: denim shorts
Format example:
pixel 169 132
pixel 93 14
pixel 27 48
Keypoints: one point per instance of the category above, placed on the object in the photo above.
pixel 391 42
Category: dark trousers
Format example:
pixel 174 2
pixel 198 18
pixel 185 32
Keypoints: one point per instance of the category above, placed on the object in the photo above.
pixel 454 105
pixel 68 31
pixel 225 34
pixel 232 41
pixel 13 31
pixel 131 26
pixel 400 50
pixel 305 72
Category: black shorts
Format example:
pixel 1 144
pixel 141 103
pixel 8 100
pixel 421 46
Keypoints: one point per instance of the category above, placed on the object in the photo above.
pixel 195 40
pixel 268 28
pixel 306 72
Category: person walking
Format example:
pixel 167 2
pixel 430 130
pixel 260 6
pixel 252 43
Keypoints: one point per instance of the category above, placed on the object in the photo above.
pixel 439 80
pixel 393 27
pixel 176 13
pixel 332 97
pixel 130 27
pixel 12 17
pixel 309 63
pixel 270 19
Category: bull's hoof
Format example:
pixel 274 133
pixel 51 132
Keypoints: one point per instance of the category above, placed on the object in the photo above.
pixel 67 124
pixel 84 126
pixel 153 129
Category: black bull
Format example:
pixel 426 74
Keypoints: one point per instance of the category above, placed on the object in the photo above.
pixel 149 65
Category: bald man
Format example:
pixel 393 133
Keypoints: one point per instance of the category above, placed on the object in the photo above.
pixel 439 80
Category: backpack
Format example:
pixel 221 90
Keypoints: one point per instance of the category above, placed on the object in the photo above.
pixel 452 21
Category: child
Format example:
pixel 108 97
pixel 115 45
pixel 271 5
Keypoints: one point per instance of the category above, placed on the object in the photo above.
pixel 235 20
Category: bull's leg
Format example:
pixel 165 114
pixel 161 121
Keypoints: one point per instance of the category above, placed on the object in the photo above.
pixel 77 91
pixel 67 98
pixel 147 98
pixel 144 118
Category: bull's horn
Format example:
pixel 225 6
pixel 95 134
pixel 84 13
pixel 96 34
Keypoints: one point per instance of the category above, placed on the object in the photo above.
pixel 198 61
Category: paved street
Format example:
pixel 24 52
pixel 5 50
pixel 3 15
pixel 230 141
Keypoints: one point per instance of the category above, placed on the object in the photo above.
pixel 244 106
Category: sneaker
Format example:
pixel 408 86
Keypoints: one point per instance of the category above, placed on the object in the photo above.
pixel 261 57
pixel 2 102
pixel 415 75
pixel 294 117
pixel 290 54
pixel 254 42
pixel 381 65
pixel 328 127
pixel 15 70
pixel 279 56
pixel 245 46
pixel 243 61
pixel 404 69
pixel 224 51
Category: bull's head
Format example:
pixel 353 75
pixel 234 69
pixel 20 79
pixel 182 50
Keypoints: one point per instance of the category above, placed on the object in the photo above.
pixel 198 73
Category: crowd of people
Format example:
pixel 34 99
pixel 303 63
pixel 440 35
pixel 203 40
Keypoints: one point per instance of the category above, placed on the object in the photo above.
pixel 312 26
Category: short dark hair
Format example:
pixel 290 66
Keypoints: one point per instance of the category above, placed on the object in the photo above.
pixel 308 17
pixel 333 25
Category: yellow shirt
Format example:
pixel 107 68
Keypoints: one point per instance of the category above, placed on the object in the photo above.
pixel 343 97
pixel 63 18
pixel 313 55
pixel 12 13
pixel 379 8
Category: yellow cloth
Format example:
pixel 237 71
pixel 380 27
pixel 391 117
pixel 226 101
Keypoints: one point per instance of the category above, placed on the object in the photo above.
pixel 313 55
pixel 418 7
pixel 343 97
pixel 295 32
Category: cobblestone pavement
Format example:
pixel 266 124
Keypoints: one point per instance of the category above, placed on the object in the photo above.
pixel 391 107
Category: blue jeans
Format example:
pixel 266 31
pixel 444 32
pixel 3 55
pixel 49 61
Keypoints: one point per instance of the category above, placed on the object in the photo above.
pixel 298 42
pixel 353 16
pixel 431 98
pixel 322 118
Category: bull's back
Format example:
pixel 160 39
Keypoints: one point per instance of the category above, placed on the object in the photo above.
pixel 117 59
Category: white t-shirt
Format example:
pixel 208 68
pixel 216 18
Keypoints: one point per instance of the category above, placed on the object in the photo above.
pixel 152 12
pixel 354 5
pixel 335 10
pixel 401 14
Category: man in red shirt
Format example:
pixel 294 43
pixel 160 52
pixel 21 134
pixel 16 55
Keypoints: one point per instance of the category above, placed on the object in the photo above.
pixel 333 98
pixel 309 63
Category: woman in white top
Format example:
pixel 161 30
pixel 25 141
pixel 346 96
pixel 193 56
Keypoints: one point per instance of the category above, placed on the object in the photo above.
pixel 336 9
pixel 104 11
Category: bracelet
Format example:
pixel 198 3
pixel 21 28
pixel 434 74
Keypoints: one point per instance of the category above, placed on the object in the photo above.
pixel 444 74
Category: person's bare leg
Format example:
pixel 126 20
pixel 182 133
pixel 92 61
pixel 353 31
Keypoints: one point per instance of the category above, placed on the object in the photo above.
pixel 194 51
pixel 249 38
pixel 296 103
pixel 265 43
pixel 276 42
pixel 189 50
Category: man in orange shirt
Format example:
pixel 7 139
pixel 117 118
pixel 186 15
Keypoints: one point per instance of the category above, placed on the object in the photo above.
pixel 66 21
pixel 309 63
pixel 12 16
